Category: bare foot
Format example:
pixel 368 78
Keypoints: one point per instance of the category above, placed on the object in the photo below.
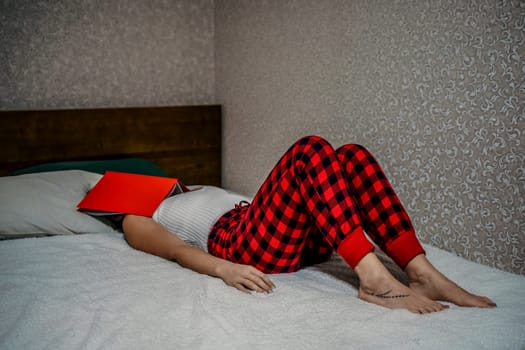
pixel 379 287
pixel 427 281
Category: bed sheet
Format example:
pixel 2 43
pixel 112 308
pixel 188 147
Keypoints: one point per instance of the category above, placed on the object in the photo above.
pixel 93 291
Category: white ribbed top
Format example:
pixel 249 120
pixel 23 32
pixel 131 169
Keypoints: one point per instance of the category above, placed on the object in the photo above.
pixel 191 215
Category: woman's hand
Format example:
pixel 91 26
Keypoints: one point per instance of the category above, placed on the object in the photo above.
pixel 145 234
pixel 244 277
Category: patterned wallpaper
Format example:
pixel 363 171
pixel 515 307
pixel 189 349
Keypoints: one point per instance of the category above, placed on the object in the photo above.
pixel 84 53
pixel 434 88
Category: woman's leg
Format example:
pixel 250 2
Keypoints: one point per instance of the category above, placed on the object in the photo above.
pixel 387 223
pixel 383 217
pixel 305 196
pixel 307 193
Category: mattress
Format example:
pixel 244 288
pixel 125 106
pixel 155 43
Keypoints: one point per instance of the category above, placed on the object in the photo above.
pixel 93 291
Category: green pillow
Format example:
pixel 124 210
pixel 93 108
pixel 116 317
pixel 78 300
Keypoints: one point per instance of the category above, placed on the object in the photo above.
pixel 126 165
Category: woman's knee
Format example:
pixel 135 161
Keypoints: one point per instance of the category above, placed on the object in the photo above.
pixel 352 150
pixel 311 141
pixel 354 147
pixel 307 149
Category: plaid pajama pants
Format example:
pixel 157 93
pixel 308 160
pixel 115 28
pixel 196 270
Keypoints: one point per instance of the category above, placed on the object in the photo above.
pixel 315 201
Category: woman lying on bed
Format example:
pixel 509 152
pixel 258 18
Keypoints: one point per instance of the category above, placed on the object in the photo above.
pixel 315 201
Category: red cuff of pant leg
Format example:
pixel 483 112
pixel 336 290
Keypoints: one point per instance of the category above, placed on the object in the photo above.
pixel 354 247
pixel 404 248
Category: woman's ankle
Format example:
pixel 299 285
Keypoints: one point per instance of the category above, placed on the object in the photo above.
pixel 372 273
pixel 419 267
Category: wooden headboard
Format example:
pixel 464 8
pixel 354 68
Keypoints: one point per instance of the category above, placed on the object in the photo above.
pixel 184 141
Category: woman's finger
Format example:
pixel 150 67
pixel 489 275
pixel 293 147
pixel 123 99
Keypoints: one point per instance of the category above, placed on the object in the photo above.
pixel 263 281
pixel 242 288
pixel 268 281
pixel 252 285
pixel 263 284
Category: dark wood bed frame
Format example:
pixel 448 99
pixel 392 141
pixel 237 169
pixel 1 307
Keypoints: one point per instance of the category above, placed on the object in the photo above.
pixel 184 141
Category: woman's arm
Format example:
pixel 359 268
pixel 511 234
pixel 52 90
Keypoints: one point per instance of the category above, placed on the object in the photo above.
pixel 144 234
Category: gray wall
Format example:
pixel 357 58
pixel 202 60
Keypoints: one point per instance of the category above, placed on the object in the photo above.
pixel 82 53
pixel 435 89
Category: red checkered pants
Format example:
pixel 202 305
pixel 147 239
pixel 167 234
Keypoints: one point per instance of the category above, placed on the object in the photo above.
pixel 315 201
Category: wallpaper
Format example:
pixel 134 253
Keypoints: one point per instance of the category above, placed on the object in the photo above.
pixel 435 89
pixel 92 53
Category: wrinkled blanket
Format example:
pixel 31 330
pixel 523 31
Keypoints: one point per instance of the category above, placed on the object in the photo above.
pixel 94 291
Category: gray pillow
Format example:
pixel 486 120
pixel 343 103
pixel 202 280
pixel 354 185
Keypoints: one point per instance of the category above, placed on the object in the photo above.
pixel 45 204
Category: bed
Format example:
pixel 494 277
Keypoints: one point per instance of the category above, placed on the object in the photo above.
pixel 68 281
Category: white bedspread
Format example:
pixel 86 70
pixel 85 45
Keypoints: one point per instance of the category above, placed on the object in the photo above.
pixel 94 291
